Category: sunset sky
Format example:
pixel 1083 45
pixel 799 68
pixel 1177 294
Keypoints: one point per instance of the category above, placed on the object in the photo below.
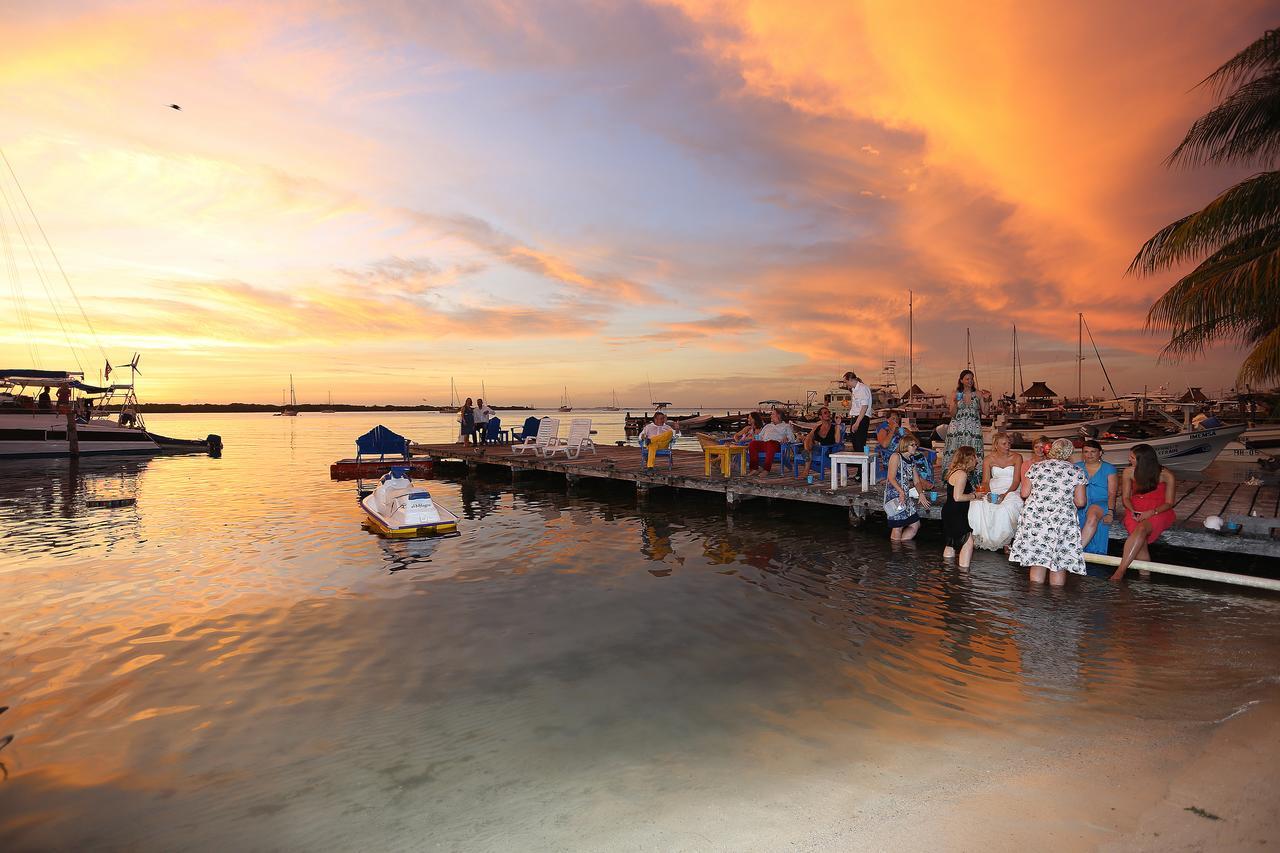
pixel 729 200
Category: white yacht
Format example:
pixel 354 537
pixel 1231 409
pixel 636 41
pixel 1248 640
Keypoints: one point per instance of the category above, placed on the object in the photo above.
pixel 34 423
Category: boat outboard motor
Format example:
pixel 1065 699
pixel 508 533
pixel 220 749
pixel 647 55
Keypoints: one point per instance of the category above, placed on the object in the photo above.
pixel 215 444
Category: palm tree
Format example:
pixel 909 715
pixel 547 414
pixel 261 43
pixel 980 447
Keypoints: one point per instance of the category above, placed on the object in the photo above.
pixel 1233 295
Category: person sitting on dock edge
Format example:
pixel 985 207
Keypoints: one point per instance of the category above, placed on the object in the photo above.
pixel 1148 491
pixel 656 435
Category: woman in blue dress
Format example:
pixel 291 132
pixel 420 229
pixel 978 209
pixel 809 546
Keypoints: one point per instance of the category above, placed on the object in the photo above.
pixel 902 492
pixel 1096 515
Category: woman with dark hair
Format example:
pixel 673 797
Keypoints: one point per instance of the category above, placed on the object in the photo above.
pixel 967 406
pixel 1148 494
pixel 467 421
pixel 755 423
pixel 1097 515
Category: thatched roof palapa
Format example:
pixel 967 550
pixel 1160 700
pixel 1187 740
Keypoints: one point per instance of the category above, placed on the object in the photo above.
pixel 1193 395
pixel 1039 390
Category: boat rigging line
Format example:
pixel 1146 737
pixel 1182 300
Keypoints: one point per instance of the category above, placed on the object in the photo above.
pixel 22 232
pixel 1101 363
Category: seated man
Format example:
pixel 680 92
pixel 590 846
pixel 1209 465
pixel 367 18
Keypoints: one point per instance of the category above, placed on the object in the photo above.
pixel 44 401
pixel 656 435
pixel 825 434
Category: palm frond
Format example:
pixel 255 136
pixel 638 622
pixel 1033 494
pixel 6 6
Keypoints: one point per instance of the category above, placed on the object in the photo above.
pixel 1263 362
pixel 1262 55
pixel 1244 128
pixel 1232 295
pixel 1250 205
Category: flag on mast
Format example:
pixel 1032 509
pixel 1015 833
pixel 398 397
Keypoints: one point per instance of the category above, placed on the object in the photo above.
pixel 106 373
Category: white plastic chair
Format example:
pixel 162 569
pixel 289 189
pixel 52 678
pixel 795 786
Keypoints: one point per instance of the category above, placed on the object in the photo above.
pixel 548 433
pixel 579 438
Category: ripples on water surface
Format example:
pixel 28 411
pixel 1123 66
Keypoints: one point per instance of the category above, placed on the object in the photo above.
pixel 233 663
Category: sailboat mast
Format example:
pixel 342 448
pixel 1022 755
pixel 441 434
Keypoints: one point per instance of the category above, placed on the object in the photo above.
pixel 911 342
pixel 1079 357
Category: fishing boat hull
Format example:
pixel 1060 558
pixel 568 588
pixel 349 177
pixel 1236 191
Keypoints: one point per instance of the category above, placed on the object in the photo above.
pixel 1188 451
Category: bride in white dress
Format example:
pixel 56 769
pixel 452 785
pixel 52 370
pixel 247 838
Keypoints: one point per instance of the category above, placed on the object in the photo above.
pixel 995 518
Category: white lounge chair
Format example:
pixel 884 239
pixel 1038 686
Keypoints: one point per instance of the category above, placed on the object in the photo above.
pixel 579 439
pixel 548 433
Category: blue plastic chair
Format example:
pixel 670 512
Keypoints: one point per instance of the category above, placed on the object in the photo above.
pixel 644 454
pixel 493 431
pixel 821 455
pixel 529 430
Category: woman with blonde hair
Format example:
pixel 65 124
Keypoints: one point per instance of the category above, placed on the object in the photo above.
pixel 955 515
pixel 1048 538
pixel 902 492
pixel 994 518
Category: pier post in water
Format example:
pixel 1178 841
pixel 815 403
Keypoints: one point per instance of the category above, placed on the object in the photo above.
pixel 73 439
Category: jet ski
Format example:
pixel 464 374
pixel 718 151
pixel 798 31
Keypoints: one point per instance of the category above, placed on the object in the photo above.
pixel 400 509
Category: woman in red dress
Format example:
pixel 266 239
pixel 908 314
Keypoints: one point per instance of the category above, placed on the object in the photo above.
pixel 1148 494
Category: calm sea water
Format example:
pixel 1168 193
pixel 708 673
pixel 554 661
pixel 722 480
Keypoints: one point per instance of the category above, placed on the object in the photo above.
pixel 234 663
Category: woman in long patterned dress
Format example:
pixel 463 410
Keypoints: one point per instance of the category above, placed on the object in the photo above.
pixel 1048 538
pixel 967 406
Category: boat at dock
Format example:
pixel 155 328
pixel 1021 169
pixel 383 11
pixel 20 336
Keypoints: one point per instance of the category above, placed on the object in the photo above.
pixel 31 425
pixel 399 509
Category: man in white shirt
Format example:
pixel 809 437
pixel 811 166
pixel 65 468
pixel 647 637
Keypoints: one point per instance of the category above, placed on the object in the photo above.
pixel 768 443
pixel 860 403
pixel 656 435
pixel 482 416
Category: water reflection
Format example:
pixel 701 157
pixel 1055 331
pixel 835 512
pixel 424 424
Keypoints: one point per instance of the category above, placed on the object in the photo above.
pixel 236 662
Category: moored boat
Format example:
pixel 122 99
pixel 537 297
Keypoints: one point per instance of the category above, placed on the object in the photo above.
pixel 400 509
pixel 34 426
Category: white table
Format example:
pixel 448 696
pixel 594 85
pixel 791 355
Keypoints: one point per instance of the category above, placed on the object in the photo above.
pixel 840 463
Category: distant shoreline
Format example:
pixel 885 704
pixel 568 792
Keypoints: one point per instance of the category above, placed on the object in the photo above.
pixel 175 408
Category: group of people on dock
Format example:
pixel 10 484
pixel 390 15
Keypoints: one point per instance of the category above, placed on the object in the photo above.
pixel 1046 512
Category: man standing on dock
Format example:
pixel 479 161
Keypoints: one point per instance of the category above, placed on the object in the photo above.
pixel 483 414
pixel 859 410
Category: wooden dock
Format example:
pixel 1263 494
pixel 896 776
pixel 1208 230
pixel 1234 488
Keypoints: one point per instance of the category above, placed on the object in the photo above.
pixel 1197 500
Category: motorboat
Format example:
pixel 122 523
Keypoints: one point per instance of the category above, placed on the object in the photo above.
pixel 35 426
pixel 1183 451
pixel 400 509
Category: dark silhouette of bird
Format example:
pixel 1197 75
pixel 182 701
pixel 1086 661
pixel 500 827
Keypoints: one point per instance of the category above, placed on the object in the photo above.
pixel 175 107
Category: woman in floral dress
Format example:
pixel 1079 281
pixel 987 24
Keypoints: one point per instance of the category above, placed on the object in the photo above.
pixel 967 406
pixel 902 492
pixel 1048 538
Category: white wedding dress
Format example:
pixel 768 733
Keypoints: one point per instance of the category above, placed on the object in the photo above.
pixel 994 524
